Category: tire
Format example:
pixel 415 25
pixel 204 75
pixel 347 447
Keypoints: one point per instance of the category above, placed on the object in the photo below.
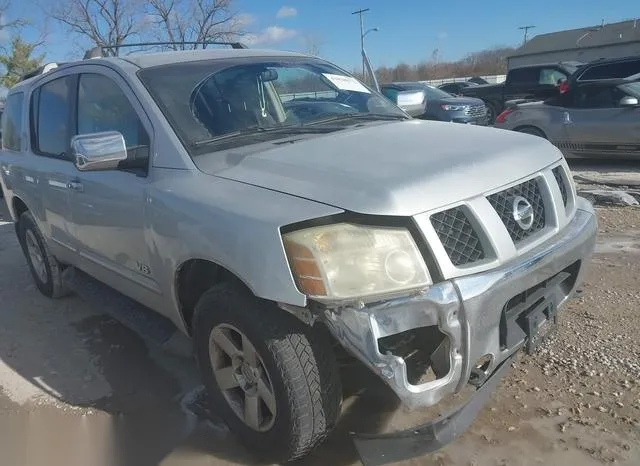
pixel 531 130
pixel 295 366
pixel 491 113
pixel 45 268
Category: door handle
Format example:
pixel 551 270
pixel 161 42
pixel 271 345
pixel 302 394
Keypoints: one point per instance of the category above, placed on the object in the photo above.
pixel 75 186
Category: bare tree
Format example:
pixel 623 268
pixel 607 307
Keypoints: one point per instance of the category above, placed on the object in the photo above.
pixel 312 44
pixel 5 25
pixel 103 22
pixel 182 21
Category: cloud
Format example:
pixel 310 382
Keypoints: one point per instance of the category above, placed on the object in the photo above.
pixel 270 35
pixel 286 12
pixel 245 19
pixel 442 35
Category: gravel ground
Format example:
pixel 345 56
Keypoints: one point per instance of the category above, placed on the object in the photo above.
pixel 63 364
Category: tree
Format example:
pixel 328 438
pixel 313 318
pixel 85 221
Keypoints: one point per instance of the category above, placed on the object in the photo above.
pixel 18 61
pixel 194 21
pixel 312 44
pixel 103 22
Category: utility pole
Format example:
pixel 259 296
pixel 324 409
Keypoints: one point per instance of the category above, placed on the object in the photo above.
pixel 359 12
pixel 526 32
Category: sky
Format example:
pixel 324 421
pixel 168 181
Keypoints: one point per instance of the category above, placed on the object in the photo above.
pixel 409 30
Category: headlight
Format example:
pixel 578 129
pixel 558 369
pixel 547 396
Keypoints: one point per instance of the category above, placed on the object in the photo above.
pixel 453 108
pixel 346 261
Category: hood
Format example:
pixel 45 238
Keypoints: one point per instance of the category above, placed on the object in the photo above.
pixel 457 101
pixel 480 88
pixel 399 168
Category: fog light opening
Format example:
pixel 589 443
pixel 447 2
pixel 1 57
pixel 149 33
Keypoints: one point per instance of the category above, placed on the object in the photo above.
pixel 425 350
pixel 480 370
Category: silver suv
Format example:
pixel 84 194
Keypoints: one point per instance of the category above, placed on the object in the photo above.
pixel 271 205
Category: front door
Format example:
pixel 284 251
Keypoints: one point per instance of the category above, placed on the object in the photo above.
pixel 597 126
pixel 108 207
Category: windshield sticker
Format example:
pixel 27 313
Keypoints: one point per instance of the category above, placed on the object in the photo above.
pixel 346 83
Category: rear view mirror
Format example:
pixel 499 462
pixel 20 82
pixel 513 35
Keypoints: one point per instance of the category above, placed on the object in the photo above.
pixel 268 75
pixel 628 101
pixel 411 102
pixel 98 151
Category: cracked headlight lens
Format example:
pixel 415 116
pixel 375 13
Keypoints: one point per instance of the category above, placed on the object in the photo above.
pixel 346 261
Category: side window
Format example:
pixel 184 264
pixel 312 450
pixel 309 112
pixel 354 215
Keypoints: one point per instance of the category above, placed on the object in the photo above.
pixel 12 122
pixel 596 97
pixel 619 70
pixel 390 93
pixel 51 112
pixel 103 106
pixel 551 76
pixel 523 76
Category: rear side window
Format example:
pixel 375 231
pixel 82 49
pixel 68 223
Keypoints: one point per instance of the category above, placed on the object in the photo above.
pixel 51 113
pixel 611 71
pixel 12 122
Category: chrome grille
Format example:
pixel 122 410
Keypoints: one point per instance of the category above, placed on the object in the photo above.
pixel 476 111
pixel 503 203
pixel 458 237
pixel 557 173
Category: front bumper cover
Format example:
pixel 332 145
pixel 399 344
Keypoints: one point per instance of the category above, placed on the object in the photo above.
pixel 470 311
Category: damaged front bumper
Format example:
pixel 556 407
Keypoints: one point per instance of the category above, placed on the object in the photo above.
pixel 475 323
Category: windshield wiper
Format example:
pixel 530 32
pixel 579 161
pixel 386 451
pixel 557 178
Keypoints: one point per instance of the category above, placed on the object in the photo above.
pixel 256 130
pixel 357 116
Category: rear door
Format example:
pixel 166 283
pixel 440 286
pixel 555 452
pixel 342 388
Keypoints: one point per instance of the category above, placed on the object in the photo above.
pixel 46 169
pixel 596 125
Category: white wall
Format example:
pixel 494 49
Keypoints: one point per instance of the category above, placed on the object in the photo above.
pixel 493 79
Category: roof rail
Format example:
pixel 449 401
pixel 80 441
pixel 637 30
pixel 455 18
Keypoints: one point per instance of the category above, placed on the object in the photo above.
pixel 99 51
pixel 40 70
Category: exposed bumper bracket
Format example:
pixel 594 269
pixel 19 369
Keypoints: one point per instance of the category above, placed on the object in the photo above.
pixel 380 449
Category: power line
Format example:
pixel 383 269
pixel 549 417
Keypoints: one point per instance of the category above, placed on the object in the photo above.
pixel 526 32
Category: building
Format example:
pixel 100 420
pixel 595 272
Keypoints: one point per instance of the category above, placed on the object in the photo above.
pixel 614 40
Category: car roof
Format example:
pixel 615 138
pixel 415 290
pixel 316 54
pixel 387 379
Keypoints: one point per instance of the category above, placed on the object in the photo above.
pixel 148 60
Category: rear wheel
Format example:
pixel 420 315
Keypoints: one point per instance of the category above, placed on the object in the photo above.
pixel 491 113
pixel 531 130
pixel 45 268
pixel 273 379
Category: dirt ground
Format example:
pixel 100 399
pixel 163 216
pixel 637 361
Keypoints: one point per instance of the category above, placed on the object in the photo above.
pixel 77 387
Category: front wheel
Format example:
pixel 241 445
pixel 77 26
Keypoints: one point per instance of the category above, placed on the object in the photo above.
pixel 273 379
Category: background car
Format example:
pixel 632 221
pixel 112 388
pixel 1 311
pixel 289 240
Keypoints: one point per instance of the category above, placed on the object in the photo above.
pixel 439 105
pixel 456 88
pixel 596 115
pixel 526 82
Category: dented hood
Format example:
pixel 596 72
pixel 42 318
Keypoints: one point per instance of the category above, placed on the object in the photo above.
pixel 397 168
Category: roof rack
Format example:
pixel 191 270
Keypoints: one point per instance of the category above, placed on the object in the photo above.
pixel 40 70
pixel 99 51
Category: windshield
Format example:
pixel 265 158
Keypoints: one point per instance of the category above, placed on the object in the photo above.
pixel 210 101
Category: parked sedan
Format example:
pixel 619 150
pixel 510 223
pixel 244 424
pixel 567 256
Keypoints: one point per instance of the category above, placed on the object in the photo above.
pixel 436 104
pixel 594 119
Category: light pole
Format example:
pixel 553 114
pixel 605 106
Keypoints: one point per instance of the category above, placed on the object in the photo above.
pixel 362 35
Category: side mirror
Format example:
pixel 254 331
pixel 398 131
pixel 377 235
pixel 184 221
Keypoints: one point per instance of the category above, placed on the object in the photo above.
pixel 98 151
pixel 411 102
pixel 628 101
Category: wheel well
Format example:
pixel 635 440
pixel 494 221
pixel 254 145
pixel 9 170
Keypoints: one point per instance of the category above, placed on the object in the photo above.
pixel 523 127
pixel 19 207
pixel 193 278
